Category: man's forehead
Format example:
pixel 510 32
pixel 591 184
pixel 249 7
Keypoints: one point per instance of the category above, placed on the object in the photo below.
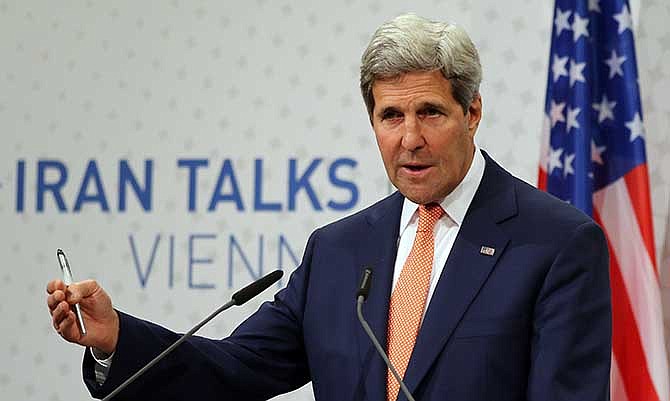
pixel 421 87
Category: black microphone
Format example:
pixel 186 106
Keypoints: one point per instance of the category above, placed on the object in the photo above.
pixel 362 295
pixel 256 287
pixel 238 298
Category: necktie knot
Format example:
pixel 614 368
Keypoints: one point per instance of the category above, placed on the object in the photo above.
pixel 429 215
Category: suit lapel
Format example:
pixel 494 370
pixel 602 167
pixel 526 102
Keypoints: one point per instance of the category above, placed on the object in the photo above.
pixel 377 250
pixel 466 269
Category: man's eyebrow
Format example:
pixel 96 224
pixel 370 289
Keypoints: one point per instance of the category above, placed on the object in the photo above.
pixel 422 106
pixel 426 105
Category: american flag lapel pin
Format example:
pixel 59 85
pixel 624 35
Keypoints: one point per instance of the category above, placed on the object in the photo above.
pixel 487 250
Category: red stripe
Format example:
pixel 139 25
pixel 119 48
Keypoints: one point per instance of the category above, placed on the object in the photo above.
pixel 626 341
pixel 542 179
pixel 637 182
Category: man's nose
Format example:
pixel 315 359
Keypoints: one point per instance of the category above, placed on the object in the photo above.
pixel 412 138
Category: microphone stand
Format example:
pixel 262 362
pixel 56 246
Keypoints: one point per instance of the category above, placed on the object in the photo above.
pixel 363 290
pixel 238 298
pixel 169 349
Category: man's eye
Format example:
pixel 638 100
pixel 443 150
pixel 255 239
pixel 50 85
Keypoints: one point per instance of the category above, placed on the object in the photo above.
pixel 431 112
pixel 389 115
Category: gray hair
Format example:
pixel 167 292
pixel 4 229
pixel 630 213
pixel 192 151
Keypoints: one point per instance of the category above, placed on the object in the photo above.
pixel 411 43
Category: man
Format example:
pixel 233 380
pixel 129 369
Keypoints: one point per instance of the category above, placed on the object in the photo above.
pixel 484 288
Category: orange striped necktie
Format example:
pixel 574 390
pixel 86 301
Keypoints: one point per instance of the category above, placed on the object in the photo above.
pixel 408 299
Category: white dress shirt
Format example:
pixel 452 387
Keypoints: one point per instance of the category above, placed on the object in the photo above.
pixel 455 206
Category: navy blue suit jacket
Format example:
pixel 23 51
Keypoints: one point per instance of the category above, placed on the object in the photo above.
pixel 530 322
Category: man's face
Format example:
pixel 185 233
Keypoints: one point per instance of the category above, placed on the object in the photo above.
pixel 425 140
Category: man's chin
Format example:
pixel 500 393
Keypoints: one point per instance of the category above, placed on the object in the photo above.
pixel 420 198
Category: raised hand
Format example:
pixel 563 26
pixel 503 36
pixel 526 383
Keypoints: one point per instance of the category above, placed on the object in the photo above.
pixel 100 318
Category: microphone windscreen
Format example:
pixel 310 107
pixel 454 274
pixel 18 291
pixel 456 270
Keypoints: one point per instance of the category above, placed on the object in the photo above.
pixel 364 286
pixel 256 287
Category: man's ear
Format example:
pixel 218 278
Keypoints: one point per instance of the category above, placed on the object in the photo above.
pixel 475 113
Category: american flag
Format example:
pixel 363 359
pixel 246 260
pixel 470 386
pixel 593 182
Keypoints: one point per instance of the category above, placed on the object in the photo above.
pixel 593 156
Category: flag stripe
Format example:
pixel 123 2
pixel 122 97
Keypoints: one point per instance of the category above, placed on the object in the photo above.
pixel 615 214
pixel 617 390
pixel 626 342
pixel 542 180
pixel 637 182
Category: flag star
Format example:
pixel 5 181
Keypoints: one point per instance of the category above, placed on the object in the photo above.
pixel 556 113
pixel 558 67
pixel 605 109
pixel 567 165
pixel 636 127
pixel 623 19
pixel 597 153
pixel 561 21
pixel 579 27
pixel 594 5
pixel 576 72
pixel 554 160
pixel 572 118
pixel 614 63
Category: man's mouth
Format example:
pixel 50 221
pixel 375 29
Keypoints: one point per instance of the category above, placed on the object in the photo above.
pixel 415 168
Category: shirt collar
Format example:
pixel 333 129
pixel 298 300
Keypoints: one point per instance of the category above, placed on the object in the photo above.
pixel 455 204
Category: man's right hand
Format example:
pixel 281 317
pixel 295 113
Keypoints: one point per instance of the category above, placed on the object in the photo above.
pixel 100 318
